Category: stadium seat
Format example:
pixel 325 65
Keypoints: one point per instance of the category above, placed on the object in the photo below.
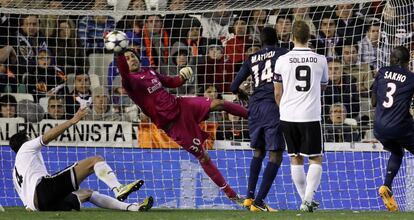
pixel 99 64
pixel 22 96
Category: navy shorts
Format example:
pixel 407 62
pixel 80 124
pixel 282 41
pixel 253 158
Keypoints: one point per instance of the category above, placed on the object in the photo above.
pixel 264 127
pixel 397 145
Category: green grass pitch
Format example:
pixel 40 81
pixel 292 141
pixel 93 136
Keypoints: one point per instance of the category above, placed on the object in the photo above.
pixel 17 213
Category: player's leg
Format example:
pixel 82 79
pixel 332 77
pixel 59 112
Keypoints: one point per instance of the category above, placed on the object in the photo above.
pixel 229 107
pixel 105 173
pixel 255 167
pixel 297 171
pixel 269 175
pixel 107 202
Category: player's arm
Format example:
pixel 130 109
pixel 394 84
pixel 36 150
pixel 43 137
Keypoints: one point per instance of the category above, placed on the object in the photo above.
pixel 278 83
pixel 241 76
pixel 278 92
pixel 176 81
pixel 53 133
pixel 122 65
pixel 325 75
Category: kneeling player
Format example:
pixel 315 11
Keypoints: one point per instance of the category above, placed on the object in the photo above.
pixel 40 191
pixel 393 90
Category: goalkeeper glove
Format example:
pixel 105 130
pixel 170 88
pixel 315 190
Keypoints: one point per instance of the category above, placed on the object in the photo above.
pixel 186 73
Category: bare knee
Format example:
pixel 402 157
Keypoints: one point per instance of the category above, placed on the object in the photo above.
pixel 297 160
pixel 204 158
pixel 83 194
pixel 276 157
pixel 216 105
pixel 315 160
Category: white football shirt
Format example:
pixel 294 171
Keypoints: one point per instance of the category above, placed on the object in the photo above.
pixel 28 170
pixel 301 72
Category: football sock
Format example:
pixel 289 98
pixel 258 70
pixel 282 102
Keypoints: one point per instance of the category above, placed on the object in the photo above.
pixel 269 175
pixel 211 170
pixel 393 166
pixel 299 179
pixel 235 109
pixel 105 173
pixel 107 202
pixel 313 179
pixel 255 166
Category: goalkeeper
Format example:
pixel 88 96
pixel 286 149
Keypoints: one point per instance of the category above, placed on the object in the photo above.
pixel 60 192
pixel 179 117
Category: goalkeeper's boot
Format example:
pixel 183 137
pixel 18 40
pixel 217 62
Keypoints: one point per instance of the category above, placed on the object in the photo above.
pixel 388 199
pixel 238 200
pixel 143 206
pixel 247 203
pixel 264 208
pixel 306 207
pixel 125 190
pixel 315 205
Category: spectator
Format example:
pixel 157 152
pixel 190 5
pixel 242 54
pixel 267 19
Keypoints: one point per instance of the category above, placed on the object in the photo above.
pixel 257 20
pixel 283 28
pixel 361 71
pixel 55 108
pixel 101 109
pixel 327 42
pixel 27 43
pixel 179 58
pixel 8 106
pixel 235 46
pixel 302 14
pixel 177 24
pixel 349 27
pixel 69 52
pixel 92 28
pixel 155 41
pixel 120 99
pixel 336 130
pixel 368 46
pixel 9 24
pixel 133 23
pixel 341 88
pixel 46 78
pixel 48 23
pixel 194 40
pixel 81 94
pixel 216 24
pixel 210 92
pixel 212 70
pixel 8 80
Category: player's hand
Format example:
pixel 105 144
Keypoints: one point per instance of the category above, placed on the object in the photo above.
pixel 79 114
pixel 186 73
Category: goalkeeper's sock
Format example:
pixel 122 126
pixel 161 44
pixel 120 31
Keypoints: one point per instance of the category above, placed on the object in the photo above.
pixel 269 175
pixel 394 164
pixel 211 170
pixel 105 173
pixel 255 166
pixel 235 109
pixel 313 179
pixel 107 202
pixel 299 179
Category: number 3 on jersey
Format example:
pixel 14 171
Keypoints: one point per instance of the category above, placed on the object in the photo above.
pixel 391 87
pixel 266 75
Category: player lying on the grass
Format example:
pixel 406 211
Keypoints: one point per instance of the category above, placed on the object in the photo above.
pixel 392 93
pixel 40 191
pixel 265 132
pixel 179 117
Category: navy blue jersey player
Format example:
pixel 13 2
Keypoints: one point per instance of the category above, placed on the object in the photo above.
pixel 263 117
pixel 392 93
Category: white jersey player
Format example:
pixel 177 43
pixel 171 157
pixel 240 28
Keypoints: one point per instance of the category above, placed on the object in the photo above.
pixel 40 191
pixel 300 75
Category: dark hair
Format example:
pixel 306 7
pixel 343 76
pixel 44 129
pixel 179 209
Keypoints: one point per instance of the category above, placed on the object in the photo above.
pixel 17 140
pixel 134 52
pixel 373 23
pixel 400 56
pixel 8 100
pixel 57 98
pixel 284 16
pixel 332 60
pixel 268 36
pixel 301 31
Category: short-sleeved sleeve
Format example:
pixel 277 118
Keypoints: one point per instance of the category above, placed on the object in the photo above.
pixel 32 145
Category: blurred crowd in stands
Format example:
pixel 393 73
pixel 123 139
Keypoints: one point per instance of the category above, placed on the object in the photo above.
pixel 52 64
